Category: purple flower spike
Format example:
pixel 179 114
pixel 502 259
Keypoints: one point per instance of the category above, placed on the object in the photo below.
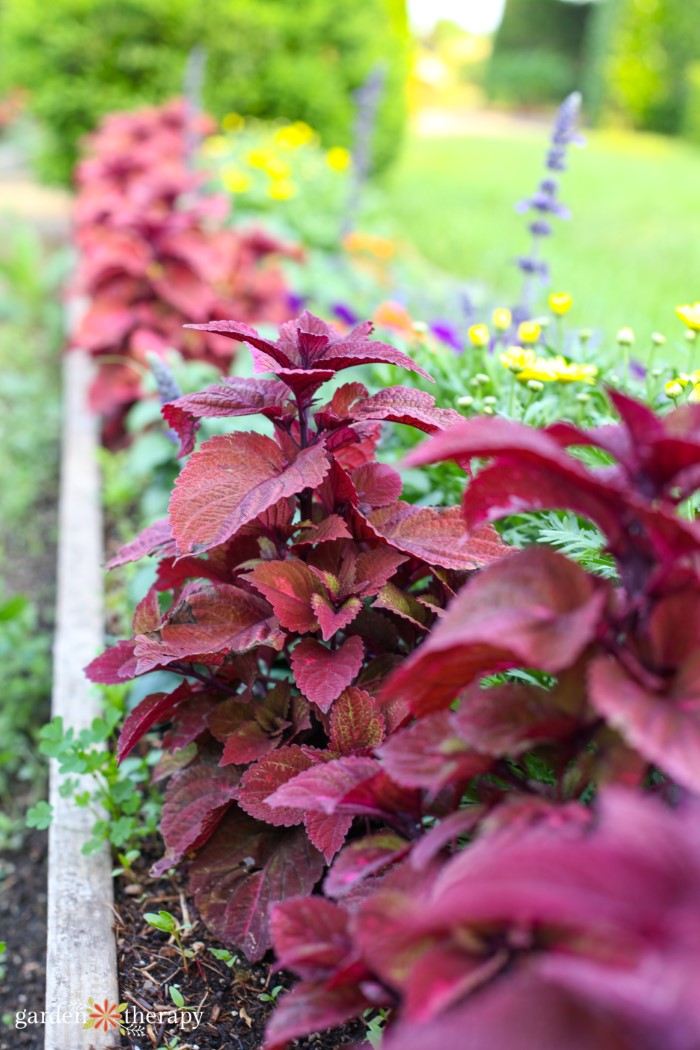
pixel 545 199
pixel 449 334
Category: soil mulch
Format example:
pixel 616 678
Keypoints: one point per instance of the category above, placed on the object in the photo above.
pixel 235 1000
pixel 23 927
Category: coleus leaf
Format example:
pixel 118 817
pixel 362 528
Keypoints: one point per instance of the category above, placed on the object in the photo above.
pixel 232 397
pixel 311 1007
pixel 330 528
pixel 155 539
pixel 207 618
pixel 232 479
pixel 250 730
pixel 331 619
pixel 262 780
pixel 321 673
pixel 431 754
pixel 363 859
pixel 399 404
pixel 289 586
pixel 153 709
pixel 243 870
pixel 311 936
pixel 356 722
pixel 114 666
pixel 310 344
pixel 196 801
pixel 377 485
pixel 327 832
pixel 321 788
pixel 434 534
pixel 535 609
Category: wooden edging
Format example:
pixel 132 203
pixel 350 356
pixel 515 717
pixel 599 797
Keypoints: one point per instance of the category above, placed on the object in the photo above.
pixel 81 952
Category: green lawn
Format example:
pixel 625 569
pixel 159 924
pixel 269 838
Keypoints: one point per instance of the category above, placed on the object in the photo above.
pixel 630 253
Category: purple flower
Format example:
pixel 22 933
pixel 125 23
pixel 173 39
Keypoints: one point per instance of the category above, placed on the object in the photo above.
pixel 344 313
pixel 448 333
pixel 636 369
pixel 545 198
pixel 296 302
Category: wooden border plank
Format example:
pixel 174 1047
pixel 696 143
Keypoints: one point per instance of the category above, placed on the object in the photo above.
pixel 81 951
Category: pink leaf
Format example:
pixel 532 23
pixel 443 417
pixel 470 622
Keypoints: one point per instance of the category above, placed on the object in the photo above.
pixel 435 535
pixel 363 859
pixel 156 539
pixel 312 1008
pixel 289 586
pixel 154 709
pixel 246 868
pixel 431 754
pixel 310 936
pixel 322 674
pixel 332 620
pixel 196 801
pixel 327 832
pixel 535 609
pixel 322 787
pixel 356 722
pixel 232 479
pixel 264 779
pixel 206 619
pixel 232 397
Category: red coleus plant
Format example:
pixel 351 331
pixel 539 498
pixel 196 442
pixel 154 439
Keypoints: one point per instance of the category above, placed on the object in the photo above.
pixel 559 925
pixel 154 253
pixel 292 581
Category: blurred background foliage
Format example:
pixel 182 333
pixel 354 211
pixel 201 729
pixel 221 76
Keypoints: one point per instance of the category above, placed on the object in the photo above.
pixel 302 59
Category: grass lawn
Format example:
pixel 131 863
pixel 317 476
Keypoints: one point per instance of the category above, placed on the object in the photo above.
pixel 630 253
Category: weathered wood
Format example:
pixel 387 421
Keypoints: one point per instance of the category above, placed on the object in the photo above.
pixel 81 952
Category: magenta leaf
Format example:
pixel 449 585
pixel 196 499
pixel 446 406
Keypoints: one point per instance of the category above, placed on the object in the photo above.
pixel 231 397
pixel 356 722
pixel 435 535
pixel 156 539
pixel 154 709
pixel 207 618
pixel 321 673
pixel 322 788
pixel 196 801
pixel 264 779
pixel 232 479
pixel 535 609
pixel 289 586
pixel 243 870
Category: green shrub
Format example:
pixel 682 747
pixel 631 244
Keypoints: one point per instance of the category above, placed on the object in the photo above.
pixel 270 58
pixel 530 78
pixel 538 50
pixel 691 114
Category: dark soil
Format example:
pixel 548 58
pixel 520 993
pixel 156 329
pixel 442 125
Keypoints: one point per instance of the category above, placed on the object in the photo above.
pixel 23 927
pixel 232 998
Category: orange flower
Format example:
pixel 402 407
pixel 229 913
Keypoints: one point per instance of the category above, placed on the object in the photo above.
pixel 370 243
pixel 394 315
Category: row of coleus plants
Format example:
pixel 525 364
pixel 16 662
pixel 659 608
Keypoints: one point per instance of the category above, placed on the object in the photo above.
pixel 443 778
pixel 154 252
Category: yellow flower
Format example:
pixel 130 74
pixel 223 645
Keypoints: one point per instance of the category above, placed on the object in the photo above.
pixel 501 318
pixel 216 146
pixel 281 189
pixel 694 395
pixel 268 161
pixel 529 331
pixel 625 337
pixel 292 136
pixel 557 370
pixel 233 122
pixel 515 358
pixel 690 316
pixel 560 303
pixel 673 389
pixel 338 158
pixel 479 335
pixel 235 180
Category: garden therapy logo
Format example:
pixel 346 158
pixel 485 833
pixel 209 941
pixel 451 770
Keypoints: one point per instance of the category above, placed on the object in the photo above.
pixel 105 1016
